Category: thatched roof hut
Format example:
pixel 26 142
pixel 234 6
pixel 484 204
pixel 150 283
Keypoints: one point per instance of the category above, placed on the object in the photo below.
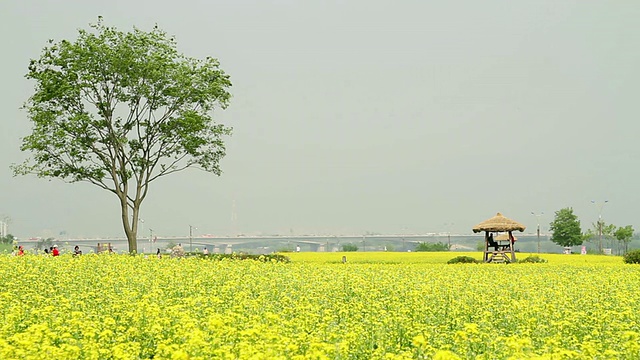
pixel 498 223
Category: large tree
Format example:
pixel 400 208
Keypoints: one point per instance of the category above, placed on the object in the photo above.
pixel 120 110
pixel 565 228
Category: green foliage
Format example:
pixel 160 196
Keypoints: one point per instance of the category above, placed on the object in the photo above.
pixel 607 229
pixel 44 243
pixel 593 234
pixel 121 109
pixel 5 248
pixel 624 235
pixel 632 257
pixel 8 239
pixel 565 228
pixel 439 246
pixel 533 259
pixel 349 247
pixel 463 260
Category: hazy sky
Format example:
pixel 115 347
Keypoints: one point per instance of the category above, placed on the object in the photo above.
pixel 381 116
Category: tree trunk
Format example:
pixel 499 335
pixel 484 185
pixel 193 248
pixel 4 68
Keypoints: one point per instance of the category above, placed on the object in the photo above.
pixel 130 228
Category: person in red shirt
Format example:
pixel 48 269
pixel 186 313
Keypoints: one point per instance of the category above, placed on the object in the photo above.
pixel 20 250
pixel 55 251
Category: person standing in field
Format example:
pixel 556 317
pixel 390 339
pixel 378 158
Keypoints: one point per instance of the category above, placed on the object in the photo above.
pixel 55 251
pixel 20 251
pixel 76 251
pixel 205 251
pixel 158 253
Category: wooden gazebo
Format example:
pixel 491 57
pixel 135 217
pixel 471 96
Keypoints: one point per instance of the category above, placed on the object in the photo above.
pixel 500 248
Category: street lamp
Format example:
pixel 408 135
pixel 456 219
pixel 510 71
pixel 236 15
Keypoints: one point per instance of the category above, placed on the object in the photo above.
pixel 600 206
pixel 191 237
pixel 538 219
pixel 448 226
pixel 150 239
pixel 142 226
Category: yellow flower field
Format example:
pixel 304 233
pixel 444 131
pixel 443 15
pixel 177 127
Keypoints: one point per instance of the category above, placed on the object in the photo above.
pixel 376 306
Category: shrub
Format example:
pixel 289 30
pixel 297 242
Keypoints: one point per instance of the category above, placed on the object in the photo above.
pixel 349 247
pixel 439 246
pixel 9 239
pixel 533 259
pixel 632 257
pixel 463 260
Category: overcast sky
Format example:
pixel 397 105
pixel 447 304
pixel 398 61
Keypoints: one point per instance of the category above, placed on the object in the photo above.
pixel 379 116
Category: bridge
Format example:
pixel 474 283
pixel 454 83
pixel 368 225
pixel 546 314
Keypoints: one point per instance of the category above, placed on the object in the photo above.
pixel 268 244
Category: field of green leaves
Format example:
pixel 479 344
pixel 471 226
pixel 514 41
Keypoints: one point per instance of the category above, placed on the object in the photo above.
pixel 374 306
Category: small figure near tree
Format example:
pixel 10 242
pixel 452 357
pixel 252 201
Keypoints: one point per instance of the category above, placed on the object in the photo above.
pixel 565 228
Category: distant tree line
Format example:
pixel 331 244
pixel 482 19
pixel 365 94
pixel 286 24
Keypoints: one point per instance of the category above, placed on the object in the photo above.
pixel 439 246
pixel 8 239
pixel 566 231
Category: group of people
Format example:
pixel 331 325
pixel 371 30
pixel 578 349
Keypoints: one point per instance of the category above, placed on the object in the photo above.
pixel 53 250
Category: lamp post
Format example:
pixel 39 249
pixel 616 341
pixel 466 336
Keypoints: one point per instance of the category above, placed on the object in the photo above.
pixel 600 206
pixel 141 226
pixel 191 237
pixel 448 226
pixel 150 239
pixel 538 231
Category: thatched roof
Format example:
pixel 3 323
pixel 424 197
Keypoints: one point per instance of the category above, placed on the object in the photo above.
pixel 504 236
pixel 498 223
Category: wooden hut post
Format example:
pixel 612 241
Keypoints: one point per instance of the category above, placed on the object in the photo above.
pixel 512 247
pixel 485 256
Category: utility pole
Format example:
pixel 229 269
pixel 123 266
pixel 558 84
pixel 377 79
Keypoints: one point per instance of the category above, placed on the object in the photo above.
pixel 600 206
pixel 234 219
pixel 448 226
pixel 191 237
pixel 150 240
pixel 538 220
